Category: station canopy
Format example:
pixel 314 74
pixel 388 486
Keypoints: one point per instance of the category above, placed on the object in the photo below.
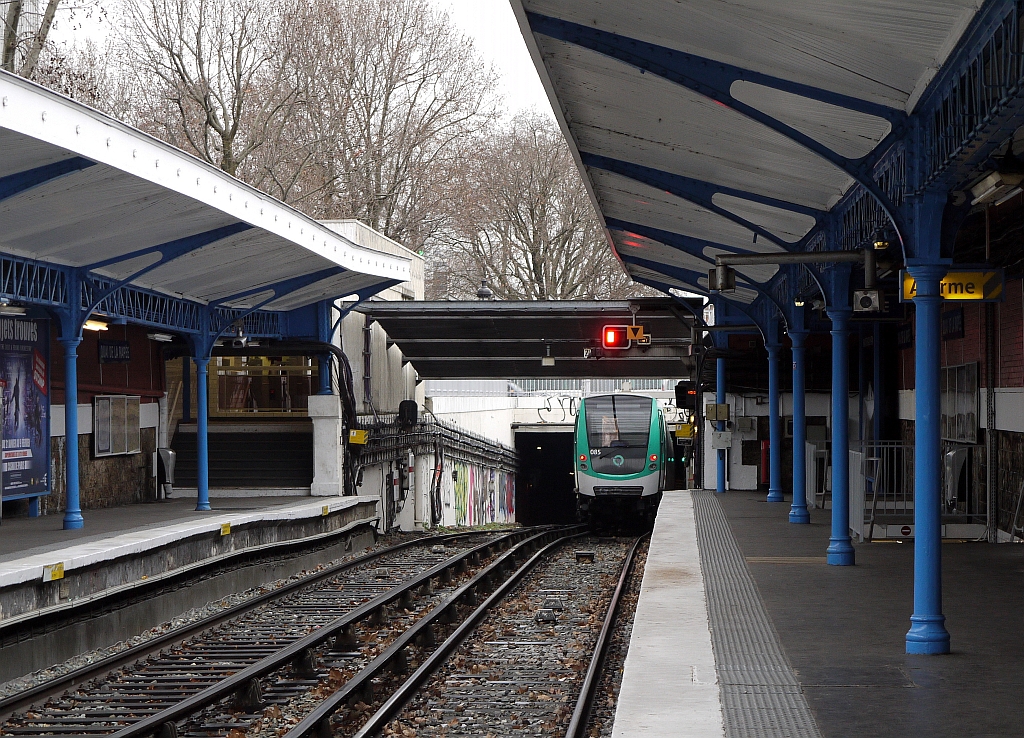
pixel 79 189
pixel 503 339
pixel 705 127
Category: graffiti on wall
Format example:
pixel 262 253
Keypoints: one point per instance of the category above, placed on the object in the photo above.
pixel 481 495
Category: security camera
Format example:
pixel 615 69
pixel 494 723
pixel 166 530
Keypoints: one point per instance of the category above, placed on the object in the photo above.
pixel 867 301
pixel 240 340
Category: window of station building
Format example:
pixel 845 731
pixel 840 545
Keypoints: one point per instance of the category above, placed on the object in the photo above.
pixel 959 387
pixel 116 425
pixel 268 386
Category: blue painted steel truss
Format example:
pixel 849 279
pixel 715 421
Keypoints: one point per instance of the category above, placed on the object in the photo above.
pixel 967 113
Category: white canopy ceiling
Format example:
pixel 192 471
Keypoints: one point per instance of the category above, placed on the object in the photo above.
pixel 877 52
pixel 126 192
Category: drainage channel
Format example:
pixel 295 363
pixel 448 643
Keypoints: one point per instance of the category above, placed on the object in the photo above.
pixel 272 650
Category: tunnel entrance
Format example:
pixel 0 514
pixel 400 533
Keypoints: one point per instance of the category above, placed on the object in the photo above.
pixel 546 483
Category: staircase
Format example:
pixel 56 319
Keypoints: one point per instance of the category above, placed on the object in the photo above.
pixel 250 456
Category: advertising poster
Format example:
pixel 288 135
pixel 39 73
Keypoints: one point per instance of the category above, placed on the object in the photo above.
pixel 25 383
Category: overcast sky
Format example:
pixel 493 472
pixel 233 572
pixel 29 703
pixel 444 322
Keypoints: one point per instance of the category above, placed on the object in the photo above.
pixel 492 26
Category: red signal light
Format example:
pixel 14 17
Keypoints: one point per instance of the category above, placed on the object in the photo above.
pixel 583 457
pixel 654 457
pixel 614 337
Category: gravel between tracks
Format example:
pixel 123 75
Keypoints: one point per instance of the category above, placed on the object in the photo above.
pixel 602 714
pixel 518 676
pixel 185 619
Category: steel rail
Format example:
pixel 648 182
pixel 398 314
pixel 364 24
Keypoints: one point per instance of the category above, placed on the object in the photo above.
pixel 55 686
pixel 162 722
pixel 588 689
pixel 405 692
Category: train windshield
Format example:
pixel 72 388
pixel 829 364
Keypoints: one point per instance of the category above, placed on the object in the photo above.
pixel 618 428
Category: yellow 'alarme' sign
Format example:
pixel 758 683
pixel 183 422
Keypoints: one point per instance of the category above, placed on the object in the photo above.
pixel 985 285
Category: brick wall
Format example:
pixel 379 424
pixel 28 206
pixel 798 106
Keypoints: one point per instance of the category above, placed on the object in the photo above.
pixel 1010 346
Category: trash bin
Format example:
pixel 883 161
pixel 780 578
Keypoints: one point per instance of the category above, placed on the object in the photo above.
pixel 165 473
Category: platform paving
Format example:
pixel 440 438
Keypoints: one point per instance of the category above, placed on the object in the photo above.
pixel 842 628
pixel 24 536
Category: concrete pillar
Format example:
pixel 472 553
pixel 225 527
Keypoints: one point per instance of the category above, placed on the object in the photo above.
pixel 202 436
pixel 73 519
pixel 928 634
pixel 720 425
pixel 840 550
pixel 798 512
pixel 328 451
pixel 774 427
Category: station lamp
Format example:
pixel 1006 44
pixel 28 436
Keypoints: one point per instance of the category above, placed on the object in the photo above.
pixel 614 337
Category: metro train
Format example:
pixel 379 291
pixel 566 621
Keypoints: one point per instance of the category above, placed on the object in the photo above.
pixel 623 449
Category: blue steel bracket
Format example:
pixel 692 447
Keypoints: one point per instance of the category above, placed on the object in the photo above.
pixel 715 76
pixel 168 252
pixel 695 191
pixel 714 79
pixel 19 182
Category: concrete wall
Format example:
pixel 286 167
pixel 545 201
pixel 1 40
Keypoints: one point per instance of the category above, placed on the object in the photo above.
pixel 740 475
pixel 390 381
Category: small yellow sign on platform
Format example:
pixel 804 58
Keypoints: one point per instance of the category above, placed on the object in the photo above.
pixel 684 431
pixel 53 572
pixel 225 529
pixel 325 510
pixel 358 437
pixel 983 285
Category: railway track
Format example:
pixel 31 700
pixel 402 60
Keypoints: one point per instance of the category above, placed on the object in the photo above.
pixel 260 654
pixel 504 632
pixel 526 661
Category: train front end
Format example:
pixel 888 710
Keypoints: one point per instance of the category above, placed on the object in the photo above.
pixel 620 458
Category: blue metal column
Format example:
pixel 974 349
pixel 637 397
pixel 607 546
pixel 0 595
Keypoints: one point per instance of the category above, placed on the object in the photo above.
pixel 186 389
pixel 720 399
pixel 774 427
pixel 202 436
pixel 840 551
pixel 325 329
pixel 876 359
pixel 73 509
pixel 928 634
pixel 798 512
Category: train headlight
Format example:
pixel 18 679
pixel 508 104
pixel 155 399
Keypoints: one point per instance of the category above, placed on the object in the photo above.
pixel 654 457
pixel 583 457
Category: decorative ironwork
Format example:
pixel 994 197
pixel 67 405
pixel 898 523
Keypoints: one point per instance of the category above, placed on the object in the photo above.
pixel 31 281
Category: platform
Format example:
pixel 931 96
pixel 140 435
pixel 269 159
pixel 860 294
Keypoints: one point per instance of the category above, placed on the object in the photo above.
pixel 805 649
pixel 66 592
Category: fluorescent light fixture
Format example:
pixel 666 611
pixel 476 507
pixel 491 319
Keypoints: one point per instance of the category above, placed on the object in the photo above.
pixel 95 325
pixel 160 337
pixel 6 308
pixel 799 302
pixel 996 187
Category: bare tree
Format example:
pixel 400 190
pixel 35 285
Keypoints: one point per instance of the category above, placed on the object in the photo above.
pixel 393 91
pixel 212 75
pixel 26 34
pixel 526 223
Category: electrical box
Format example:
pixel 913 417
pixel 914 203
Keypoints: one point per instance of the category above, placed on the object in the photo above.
pixel 716 412
pixel 721 439
pixel 358 437
pixel 746 425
